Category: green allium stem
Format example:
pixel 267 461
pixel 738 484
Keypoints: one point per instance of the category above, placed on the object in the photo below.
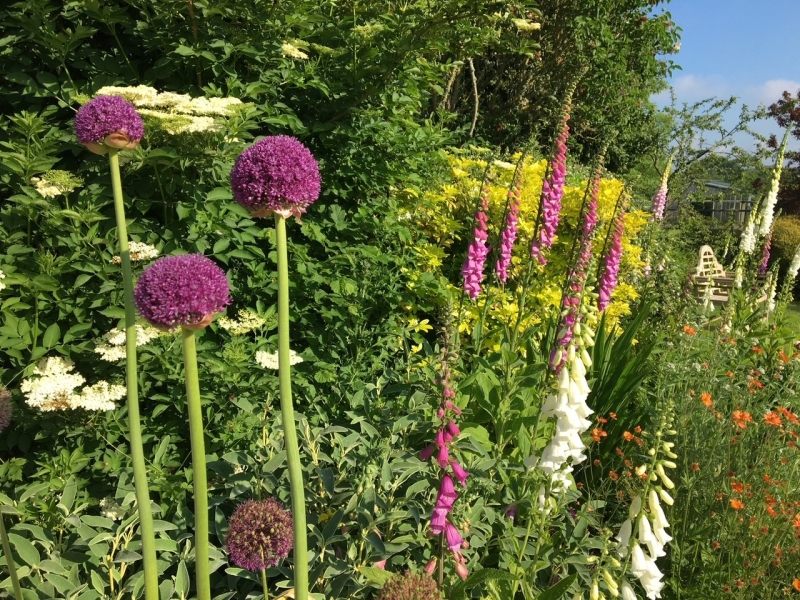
pixel 132 383
pixel 287 414
pixel 12 568
pixel 195 410
pixel 264 582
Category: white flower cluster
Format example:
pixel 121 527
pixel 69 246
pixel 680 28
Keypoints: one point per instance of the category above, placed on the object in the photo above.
pixel 139 251
pixel 113 349
pixel 2 285
pixel 53 388
pixel 794 266
pixel 270 361
pixel 56 183
pixel 176 113
pixel 100 396
pixel 247 321
pixel 526 25
pixel 293 51
pixel 768 212
pixel 748 243
pixel 653 535
pixel 569 407
pixel 110 509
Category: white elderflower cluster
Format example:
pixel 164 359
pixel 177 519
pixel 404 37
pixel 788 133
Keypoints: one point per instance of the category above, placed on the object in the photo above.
pixel 368 31
pixel 110 509
pixel 56 183
pixel 100 396
pixel 526 25
pixel 175 113
pixel 270 360
pixel 139 251
pixel 247 321
pixel 113 349
pixel 293 51
pixel 53 388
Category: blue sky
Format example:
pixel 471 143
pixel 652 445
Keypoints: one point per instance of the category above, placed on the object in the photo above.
pixel 744 48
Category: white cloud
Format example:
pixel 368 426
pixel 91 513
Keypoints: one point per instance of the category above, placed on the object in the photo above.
pixel 770 91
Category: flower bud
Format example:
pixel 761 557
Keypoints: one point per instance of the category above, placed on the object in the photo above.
pixel 431 566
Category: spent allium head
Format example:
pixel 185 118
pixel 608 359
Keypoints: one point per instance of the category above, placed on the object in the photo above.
pixel 181 290
pixel 478 251
pixel 509 235
pixel 259 534
pixel 108 122
pixel 277 174
pixel 552 195
pixel 410 586
pixel 608 282
pixel 5 408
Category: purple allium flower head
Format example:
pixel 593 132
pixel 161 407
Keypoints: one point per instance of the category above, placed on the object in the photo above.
pixel 762 268
pixel 608 282
pixel 410 586
pixel 478 251
pixel 5 408
pixel 108 121
pixel 552 195
pixel 277 174
pixel 181 290
pixel 509 235
pixel 260 534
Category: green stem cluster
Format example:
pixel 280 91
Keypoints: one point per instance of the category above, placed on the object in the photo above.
pixel 195 409
pixel 12 568
pixel 287 415
pixel 132 383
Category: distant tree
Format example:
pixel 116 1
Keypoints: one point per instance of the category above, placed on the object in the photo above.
pixel 786 112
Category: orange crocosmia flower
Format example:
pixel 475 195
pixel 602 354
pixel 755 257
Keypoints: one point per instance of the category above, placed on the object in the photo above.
pixel 628 436
pixel 741 418
pixel 737 504
pixel 783 356
pixel 705 398
pixel 773 418
pixel 758 350
pixel 730 374
pixel 719 495
pixel 613 475
pixel 598 434
pixel 689 330
pixel 737 487
pixel 790 416
pixel 695 467
pixel 602 420
pixel 637 429
pixel 613 415
pixel 796 584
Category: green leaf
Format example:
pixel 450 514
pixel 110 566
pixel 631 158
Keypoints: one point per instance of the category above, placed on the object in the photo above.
pixel 127 556
pixel 459 592
pixel 557 591
pixel 70 490
pixel 51 336
pixel 25 549
pixel 376 575
pixel 182 580
pixel 220 193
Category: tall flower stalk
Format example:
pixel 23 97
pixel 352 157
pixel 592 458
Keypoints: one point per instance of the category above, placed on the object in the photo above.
pixel 611 262
pixel 660 197
pixel 186 291
pixel 107 125
pixel 279 176
pixel 478 251
pixel 509 234
pixel 768 210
